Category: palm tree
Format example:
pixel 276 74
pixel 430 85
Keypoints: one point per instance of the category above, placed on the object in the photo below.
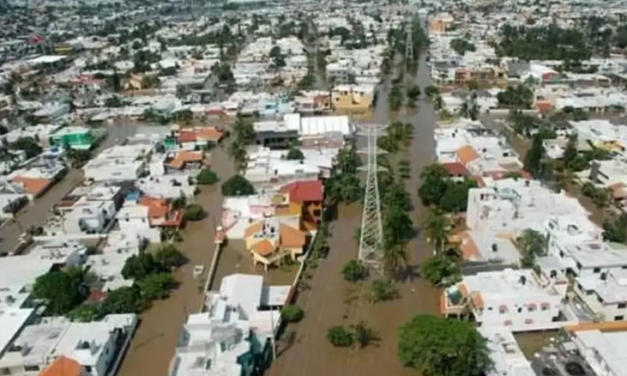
pixel 393 257
pixel 363 334
pixel 237 151
pixel 564 179
pixel 437 227
pixel 438 103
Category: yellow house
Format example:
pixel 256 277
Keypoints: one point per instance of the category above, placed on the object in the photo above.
pixel 352 98
pixel 270 241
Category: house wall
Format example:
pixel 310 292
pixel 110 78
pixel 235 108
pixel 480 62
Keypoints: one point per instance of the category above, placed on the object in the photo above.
pixel 593 357
pixel 610 312
pixel 106 357
pixel 518 311
pixel 122 172
pixel 94 221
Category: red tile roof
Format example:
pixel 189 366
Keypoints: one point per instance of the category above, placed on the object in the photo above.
pixel 187 136
pixel 63 366
pixel 456 168
pixel 33 186
pixel 304 191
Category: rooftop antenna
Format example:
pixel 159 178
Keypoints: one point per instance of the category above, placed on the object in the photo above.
pixel 371 237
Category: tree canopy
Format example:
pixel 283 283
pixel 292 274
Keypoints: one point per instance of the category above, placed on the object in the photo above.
pixel 437 189
pixel 441 270
pixel 355 271
pixel 438 346
pixel 207 177
pixel 237 185
pixel 61 291
pixel 127 299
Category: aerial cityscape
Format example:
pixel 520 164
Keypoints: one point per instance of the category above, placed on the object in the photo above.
pixel 313 188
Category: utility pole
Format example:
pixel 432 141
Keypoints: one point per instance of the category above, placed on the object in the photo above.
pixel 371 238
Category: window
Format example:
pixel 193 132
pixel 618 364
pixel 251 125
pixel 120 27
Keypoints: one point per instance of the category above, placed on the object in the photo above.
pixel 31 368
pixel 618 318
pixel 5 371
pixel 519 309
pixel 622 305
pixel 596 270
pixel 600 299
pixel 579 266
pixel 88 369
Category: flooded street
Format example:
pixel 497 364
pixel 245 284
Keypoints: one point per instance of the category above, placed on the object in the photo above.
pixel 332 301
pixel 36 212
pixel 154 343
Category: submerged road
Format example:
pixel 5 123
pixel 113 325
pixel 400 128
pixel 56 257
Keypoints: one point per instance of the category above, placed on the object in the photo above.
pixel 327 303
pixel 36 212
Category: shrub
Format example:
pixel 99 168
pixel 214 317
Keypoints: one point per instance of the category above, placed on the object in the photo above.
pixel 194 212
pixel 207 177
pixel 339 336
pixel 292 313
pixel 354 271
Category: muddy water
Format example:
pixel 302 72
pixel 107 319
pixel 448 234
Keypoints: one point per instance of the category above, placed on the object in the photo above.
pixel 153 346
pixel 331 301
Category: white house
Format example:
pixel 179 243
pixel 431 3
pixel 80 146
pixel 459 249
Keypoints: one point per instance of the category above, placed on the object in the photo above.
pixel 518 299
pixel 235 325
pixel 93 345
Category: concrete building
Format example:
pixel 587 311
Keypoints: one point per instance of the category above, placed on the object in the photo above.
pixel 518 299
pixel 93 345
pixel 231 335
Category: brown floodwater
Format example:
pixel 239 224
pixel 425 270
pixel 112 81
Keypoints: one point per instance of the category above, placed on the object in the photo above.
pixel 153 346
pixel 332 301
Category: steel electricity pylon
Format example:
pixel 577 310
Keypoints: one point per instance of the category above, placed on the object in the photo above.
pixel 371 238
pixel 409 42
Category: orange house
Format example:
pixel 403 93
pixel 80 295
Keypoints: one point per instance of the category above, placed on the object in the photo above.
pixel 160 214
pixel 310 194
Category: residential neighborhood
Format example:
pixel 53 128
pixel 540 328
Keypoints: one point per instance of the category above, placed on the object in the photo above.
pixel 313 188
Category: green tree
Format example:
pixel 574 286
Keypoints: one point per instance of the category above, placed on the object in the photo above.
pixel 85 313
pixel 535 156
pixel 437 228
pixel 169 257
pixel 433 184
pixel 61 292
pixel 127 299
pixel 437 346
pixel 339 336
pixel 441 271
pixel 455 198
pixel 381 290
pixel 139 266
pixel 432 91
pixel 413 93
pixel 615 230
pixel 77 158
pixel 355 271
pixel 532 244
pixel 28 145
pixel 461 46
pixel 156 286
pixel 207 177
pixel 363 334
pixel 237 185
pixel 292 313
pixel 194 212
pixel 295 155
